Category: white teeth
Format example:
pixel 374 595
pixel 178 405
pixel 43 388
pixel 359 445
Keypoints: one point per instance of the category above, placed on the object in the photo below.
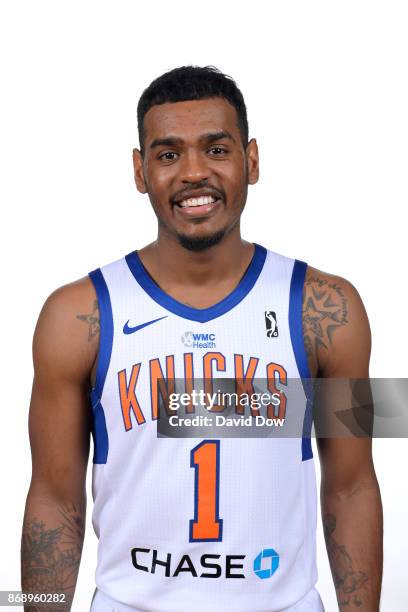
pixel 201 201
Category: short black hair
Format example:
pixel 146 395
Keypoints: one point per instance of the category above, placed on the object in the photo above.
pixel 192 83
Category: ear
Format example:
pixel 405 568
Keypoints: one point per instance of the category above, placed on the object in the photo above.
pixel 252 161
pixel 138 171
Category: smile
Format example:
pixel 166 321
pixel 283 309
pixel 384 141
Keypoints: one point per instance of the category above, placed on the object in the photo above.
pixel 198 208
pixel 200 201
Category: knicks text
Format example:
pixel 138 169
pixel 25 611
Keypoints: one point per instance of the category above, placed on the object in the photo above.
pixel 162 385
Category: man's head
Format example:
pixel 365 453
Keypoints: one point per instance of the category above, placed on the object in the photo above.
pixel 193 133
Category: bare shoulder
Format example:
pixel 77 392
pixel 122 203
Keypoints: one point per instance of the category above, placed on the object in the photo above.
pixel 335 324
pixel 67 332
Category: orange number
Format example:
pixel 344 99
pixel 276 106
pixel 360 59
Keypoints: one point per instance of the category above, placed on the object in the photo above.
pixel 206 526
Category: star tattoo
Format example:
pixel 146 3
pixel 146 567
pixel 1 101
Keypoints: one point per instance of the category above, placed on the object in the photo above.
pixel 93 321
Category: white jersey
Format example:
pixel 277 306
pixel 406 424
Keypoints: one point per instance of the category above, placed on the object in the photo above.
pixel 192 524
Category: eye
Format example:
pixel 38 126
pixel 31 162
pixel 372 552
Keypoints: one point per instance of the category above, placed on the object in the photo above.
pixel 218 150
pixel 168 156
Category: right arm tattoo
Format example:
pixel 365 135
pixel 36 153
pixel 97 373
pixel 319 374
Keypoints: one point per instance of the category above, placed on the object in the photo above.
pixel 92 319
pixel 50 556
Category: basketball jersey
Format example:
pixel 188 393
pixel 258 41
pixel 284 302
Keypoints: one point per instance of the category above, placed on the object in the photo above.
pixel 192 524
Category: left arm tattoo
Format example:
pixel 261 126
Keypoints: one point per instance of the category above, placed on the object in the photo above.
pixel 347 580
pixel 324 310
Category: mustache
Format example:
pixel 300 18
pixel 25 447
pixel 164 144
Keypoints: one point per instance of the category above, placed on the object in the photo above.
pixel 188 191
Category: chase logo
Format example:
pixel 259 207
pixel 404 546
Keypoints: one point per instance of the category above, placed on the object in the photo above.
pixel 266 563
pixel 193 340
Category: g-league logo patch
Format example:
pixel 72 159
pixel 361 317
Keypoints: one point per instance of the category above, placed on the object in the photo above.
pixel 271 324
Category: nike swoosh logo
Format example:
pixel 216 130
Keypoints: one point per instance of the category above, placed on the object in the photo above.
pixel 131 330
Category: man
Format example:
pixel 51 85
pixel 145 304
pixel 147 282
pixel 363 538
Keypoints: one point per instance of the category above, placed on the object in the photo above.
pixel 191 524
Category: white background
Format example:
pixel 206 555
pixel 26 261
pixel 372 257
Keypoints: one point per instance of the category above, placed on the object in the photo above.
pixel 326 89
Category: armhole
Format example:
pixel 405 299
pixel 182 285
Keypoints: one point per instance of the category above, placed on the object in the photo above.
pixel 99 430
pixel 299 350
pixel 105 332
pixel 295 317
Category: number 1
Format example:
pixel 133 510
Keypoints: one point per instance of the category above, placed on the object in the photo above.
pixel 206 526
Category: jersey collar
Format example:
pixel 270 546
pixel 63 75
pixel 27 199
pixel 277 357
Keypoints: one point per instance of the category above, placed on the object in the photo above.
pixel 201 315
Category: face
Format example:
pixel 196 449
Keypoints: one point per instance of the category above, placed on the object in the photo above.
pixel 195 170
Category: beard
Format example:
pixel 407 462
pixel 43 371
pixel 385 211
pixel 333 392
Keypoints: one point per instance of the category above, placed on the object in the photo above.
pixel 200 243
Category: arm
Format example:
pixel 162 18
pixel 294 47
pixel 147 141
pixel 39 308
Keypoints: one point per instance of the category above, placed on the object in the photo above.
pixel 64 350
pixel 338 340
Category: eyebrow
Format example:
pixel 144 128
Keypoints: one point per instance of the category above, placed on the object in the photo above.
pixel 210 137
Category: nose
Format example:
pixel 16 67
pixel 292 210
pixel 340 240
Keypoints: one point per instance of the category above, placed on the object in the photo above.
pixel 194 167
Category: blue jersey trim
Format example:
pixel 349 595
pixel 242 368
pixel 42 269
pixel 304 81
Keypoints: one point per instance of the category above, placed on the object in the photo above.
pixel 202 315
pixel 99 431
pixel 296 334
pixel 100 434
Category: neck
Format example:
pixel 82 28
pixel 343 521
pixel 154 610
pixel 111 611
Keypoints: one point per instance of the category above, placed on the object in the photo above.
pixel 168 262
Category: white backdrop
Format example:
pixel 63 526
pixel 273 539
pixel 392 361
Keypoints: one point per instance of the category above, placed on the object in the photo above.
pixel 326 90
